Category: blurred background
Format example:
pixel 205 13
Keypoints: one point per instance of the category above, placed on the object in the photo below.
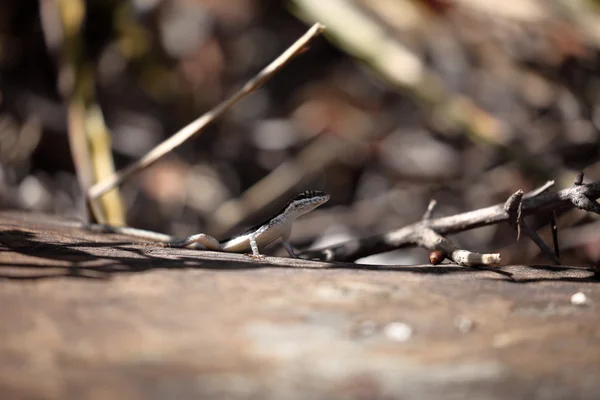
pixel 402 101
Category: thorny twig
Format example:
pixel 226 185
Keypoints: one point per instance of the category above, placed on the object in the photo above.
pixel 428 233
pixel 196 126
pixel 429 212
pixel 514 208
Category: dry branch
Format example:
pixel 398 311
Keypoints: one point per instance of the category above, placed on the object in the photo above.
pixel 427 233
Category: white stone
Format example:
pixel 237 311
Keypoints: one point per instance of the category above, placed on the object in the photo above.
pixel 463 324
pixel 398 331
pixel 579 299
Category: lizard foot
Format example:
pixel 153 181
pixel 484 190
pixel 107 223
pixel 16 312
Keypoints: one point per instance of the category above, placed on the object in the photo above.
pixel 255 256
pixel 152 244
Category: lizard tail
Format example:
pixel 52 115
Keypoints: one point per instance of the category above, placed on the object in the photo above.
pixel 138 233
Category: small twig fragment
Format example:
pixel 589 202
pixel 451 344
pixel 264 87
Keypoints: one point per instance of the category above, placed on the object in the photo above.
pixel 519 219
pixel 469 259
pixel 430 239
pixel 554 228
pixel 514 209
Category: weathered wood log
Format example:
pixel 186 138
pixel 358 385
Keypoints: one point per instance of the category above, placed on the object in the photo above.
pixel 90 316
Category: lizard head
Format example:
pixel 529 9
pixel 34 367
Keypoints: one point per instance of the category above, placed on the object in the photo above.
pixel 305 202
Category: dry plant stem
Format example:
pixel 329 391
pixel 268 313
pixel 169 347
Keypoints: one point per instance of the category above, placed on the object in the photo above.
pixel 81 157
pixel 581 196
pixel 86 129
pixel 196 126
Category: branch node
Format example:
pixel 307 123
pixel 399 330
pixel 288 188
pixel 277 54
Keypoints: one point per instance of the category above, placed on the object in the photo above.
pixel 582 202
pixel 578 179
pixel 430 239
pixel 512 203
pixel 514 209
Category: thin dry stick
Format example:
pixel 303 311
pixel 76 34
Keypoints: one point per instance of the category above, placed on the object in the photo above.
pixel 196 126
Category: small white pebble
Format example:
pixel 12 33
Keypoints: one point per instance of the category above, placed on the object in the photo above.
pixel 398 331
pixel 463 324
pixel 579 299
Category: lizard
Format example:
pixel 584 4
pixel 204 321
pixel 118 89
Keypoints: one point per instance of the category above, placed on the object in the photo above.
pixel 277 227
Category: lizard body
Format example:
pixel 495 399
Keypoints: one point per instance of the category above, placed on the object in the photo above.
pixel 276 227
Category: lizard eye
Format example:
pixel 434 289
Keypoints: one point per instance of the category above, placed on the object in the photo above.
pixel 310 193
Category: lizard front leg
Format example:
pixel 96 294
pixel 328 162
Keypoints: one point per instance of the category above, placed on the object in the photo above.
pixel 285 241
pixel 254 246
